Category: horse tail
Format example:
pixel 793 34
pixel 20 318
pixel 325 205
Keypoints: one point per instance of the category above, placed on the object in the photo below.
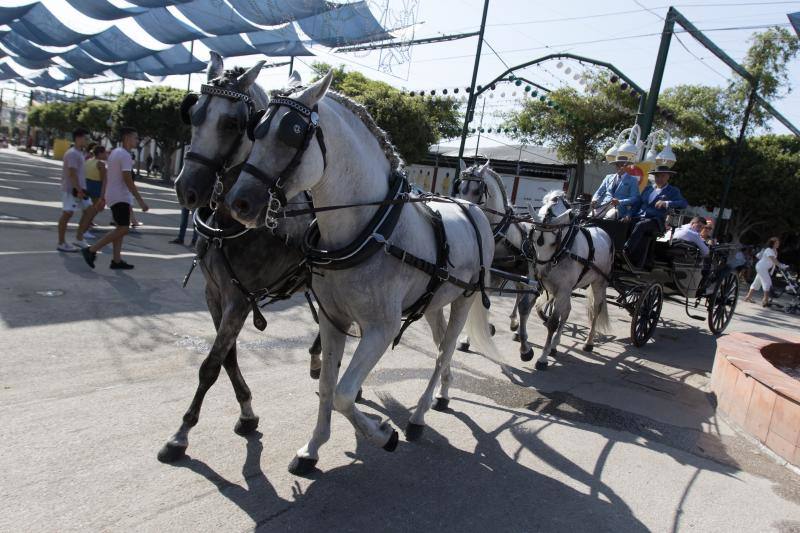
pixel 479 331
pixel 599 316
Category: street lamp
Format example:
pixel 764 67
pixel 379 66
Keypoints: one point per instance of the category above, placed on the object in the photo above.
pixel 666 157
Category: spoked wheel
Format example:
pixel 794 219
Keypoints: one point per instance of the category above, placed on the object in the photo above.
pixel 646 313
pixel 722 303
pixel 546 311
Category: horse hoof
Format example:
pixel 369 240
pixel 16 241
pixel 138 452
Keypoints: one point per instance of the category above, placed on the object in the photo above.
pixel 314 372
pixel 441 404
pixel 392 444
pixel 463 346
pixel 359 396
pixel 514 327
pixel 316 348
pixel 414 431
pixel 302 466
pixel 541 365
pixel 516 337
pixel 170 453
pixel 492 330
pixel 245 426
pixel 527 355
pixel 588 347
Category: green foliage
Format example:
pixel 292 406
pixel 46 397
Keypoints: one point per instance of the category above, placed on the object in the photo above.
pixel 55 117
pixel 155 113
pixel 766 192
pixel 414 124
pixel 701 113
pixel 95 115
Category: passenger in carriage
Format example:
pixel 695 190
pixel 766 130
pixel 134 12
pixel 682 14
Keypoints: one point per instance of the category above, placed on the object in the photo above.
pixel 651 217
pixel 620 189
pixel 692 232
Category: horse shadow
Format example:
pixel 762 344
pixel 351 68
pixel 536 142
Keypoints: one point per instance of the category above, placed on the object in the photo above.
pixel 435 486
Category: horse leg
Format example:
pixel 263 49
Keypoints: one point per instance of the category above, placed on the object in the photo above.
pixel 248 421
pixel 374 342
pixel 333 347
pixel 554 324
pixel 598 311
pixel 229 324
pixel 513 316
pixel 525 305
pixel 316 362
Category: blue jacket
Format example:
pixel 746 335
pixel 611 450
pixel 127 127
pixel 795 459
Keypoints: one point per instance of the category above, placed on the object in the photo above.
pixel 626 191
pixel 670 194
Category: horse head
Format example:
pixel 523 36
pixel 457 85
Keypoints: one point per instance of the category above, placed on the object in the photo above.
pixel 218 118
pixel 285 159
pixel 549 221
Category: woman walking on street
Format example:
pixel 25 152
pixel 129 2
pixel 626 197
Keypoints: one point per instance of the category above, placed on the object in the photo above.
pixel 767 261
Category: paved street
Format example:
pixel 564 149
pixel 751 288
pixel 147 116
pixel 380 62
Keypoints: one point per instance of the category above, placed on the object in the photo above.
pixel 99 366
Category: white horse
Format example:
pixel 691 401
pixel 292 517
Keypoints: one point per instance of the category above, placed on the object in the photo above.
pixel 484 187
pixel 569 257
pixel 367 269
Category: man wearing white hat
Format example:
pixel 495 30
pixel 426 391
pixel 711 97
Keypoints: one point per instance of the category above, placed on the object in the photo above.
pixel 655 201
pixel 619 190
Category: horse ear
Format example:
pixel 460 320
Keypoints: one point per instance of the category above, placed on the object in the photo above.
pixel 314 94
pixel 533 212
pixel 462 165
pixel 485 165
pixel 215 66
pixel 294 80
pixel 248 78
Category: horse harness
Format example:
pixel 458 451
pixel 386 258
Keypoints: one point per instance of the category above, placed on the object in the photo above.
pixel 244 110
pixel 376 235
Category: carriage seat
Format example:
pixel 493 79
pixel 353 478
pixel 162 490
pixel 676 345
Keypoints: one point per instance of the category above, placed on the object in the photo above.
pixel 676 251
pixel 618 230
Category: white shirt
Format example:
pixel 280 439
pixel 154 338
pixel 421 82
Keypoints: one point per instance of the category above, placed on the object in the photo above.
pixel 654 195
pixel 686 233
pixel 764 261
pixel 119 161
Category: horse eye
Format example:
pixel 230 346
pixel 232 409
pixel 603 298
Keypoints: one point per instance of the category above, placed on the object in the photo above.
pixel 229 123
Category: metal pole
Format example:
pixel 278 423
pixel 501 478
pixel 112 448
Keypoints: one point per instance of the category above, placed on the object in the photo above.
pixel 737 150
pixel 28 131
pixel 291 65
pixel 658 74
pixel 478 142
pixel 188 88
pixel 1 109
pixel 471 98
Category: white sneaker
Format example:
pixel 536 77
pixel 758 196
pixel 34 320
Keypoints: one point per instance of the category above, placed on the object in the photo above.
pixel 89 235
pixel 66 247
pixel 81 244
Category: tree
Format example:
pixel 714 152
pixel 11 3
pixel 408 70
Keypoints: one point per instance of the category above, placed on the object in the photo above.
pixel 766 194
pixel 580 125
pixel 54 117
pixel 155 113
pixel 95 116
pixel 413 123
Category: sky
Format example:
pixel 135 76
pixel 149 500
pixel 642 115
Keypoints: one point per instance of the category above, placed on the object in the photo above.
pixel 625 33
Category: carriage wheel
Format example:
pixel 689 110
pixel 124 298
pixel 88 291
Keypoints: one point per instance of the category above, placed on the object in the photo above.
pixel 646 313
pixel 722 303
pixel 546 311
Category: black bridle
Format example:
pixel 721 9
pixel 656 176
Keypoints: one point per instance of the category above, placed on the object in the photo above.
pixel 558 229
pixel 293 135
pixel 196 118
pixel 470 176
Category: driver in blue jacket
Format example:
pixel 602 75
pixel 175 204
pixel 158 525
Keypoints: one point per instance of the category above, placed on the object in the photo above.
pixel 650 220
pixel 620 190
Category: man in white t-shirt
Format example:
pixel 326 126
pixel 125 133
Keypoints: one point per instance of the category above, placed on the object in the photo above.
pixel 120 192
pixel 73 194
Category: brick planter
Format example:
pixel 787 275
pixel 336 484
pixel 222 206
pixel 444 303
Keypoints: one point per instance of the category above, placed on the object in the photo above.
pixel 756 396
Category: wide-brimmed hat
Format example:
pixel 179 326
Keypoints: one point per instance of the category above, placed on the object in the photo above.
pixel 624 159
pixel 662 169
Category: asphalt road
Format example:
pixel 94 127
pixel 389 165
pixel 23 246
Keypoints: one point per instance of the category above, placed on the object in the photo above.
pixel 99 365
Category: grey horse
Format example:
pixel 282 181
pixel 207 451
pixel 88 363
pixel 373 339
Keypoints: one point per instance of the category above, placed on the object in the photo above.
pixel 259 260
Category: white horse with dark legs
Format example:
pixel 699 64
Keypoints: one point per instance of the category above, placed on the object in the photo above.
pixel 569 257
pixel 372 265
pixel 484 187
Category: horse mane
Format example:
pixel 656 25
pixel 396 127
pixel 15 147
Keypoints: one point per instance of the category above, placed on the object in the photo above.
pixel 552 195
pixel 396 162
pixel 499 182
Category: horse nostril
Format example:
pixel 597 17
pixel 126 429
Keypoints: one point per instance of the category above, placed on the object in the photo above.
pixel 241 206
pixel 191 197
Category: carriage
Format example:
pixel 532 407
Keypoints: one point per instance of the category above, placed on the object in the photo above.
pixel 676 272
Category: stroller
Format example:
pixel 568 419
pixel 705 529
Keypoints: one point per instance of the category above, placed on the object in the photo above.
pixel 786 282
